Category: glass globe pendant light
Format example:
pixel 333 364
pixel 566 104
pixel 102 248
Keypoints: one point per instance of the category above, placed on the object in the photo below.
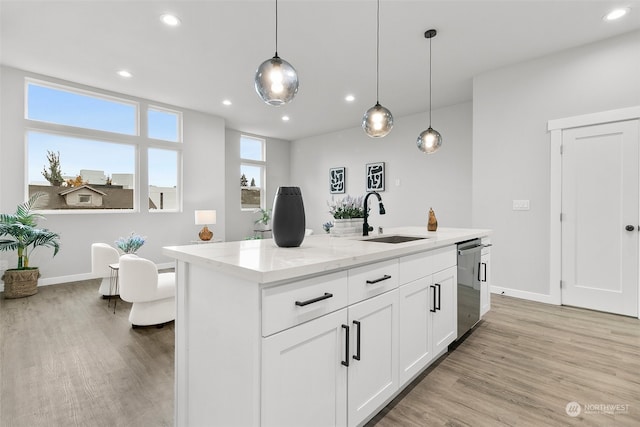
pixel 276 81
pixel 429 140
pixel 377 121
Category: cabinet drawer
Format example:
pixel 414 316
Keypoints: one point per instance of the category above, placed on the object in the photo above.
pixel 444 258
pixel 371 280
pixel 414 267
pixel 288 305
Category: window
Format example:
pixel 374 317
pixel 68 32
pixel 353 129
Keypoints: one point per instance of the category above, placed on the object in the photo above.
pixel 163 179
pixel 60 162
pixel 83 147
pixel 61 106
pixel 163 124
pixel 252 172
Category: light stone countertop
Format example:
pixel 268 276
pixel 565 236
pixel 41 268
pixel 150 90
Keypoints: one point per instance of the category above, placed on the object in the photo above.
pixel 263 262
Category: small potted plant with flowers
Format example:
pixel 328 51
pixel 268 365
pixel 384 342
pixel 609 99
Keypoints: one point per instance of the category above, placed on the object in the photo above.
pixel 130 244
pixel 348 215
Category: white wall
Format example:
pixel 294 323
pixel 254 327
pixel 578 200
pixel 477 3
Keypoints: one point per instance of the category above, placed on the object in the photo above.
pixel 240 224
pixel 511 107
pixel 203 182
pixel 441 180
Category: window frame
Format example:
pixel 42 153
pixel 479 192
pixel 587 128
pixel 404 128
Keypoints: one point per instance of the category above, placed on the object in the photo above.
pixel 140 142
pixel 262 164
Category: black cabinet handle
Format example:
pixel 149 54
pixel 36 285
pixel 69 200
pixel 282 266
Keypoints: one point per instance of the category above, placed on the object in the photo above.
pixel 357 355
pixel 311 301
pixel 484 279
pixel 385 277
pixel 345 362
pixel 629 228
pixel 433 310
pixel 439 292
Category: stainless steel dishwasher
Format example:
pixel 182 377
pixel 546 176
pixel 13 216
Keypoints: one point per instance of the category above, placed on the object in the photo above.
pixel 469 253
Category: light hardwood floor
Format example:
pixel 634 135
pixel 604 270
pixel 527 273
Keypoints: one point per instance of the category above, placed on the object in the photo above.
pixel 67 360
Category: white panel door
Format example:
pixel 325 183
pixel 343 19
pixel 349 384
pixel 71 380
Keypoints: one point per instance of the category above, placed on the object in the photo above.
pixel 415 328
pixel 600 217
pixel 445 318
pixel 373 365
pixel 304 382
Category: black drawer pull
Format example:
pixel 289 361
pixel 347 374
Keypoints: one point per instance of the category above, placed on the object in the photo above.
pixel 311 301
pixel 439 293
pixel 433 310
pixel 357 355
pixel 385 277
pixel 345 362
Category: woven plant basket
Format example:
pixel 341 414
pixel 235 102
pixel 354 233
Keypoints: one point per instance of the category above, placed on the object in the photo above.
pixel 20 283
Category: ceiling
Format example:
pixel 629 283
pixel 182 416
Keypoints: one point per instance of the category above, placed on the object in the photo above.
pixel 215 51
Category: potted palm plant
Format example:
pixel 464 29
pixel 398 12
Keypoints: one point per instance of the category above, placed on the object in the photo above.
pixel 24 236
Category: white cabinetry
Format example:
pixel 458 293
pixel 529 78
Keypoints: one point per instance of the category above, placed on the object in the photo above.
pixel 428 309
pixel 445 315
pixel 485 277
pixel 303 381
pixel 373 368
pixel 324 364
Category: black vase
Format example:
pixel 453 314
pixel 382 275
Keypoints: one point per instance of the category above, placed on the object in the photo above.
pixel 288 221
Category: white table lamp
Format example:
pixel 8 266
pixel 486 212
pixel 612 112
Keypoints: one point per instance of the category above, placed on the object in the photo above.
pixel 205 218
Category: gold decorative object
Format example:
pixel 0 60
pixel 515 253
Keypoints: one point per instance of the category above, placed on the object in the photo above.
pixel 205 217
pixel 433 222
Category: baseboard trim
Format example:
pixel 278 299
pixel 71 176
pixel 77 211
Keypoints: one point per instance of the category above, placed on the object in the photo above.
pixel 78 277
pixel 531 296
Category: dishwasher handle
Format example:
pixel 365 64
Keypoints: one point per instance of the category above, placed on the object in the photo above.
pixel 470 250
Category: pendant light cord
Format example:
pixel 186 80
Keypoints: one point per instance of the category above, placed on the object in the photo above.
pixel 430 81
pixel 378 55
pixel 276 28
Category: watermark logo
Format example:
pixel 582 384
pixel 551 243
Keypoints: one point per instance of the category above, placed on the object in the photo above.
pixel 573 409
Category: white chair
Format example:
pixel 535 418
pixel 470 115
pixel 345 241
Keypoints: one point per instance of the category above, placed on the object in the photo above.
pixel 152 295
pixel 101 256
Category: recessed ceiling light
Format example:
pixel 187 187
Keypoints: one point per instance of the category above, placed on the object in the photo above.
pixel 170 20
pixel 125 74
pixel 349 98
pixel 226 102
pixel 285 118
pixel 616 14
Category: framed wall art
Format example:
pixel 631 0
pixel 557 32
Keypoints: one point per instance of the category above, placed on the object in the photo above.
pixel 375 176
pixel 337 180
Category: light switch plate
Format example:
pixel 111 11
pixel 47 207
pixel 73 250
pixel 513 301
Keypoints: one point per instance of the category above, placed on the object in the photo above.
pixel 521 205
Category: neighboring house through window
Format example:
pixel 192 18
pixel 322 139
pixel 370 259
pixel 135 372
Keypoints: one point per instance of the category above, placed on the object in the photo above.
pixel 83 146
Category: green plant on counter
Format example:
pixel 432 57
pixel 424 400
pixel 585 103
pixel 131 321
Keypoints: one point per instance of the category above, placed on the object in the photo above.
pixel 348 207
pixel 265 216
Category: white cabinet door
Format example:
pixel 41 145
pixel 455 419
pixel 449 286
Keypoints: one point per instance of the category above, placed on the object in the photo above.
pixel 485 283
pixel 445 317
pixel 373 364
pixel 415 327
pixel 304 382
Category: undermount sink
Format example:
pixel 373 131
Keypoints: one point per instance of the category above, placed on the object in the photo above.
pixel 394 239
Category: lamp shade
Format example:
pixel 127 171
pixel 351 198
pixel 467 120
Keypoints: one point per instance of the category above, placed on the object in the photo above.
pixel 429 141
pixel 205 217
pixel 377 121
pixel 276 81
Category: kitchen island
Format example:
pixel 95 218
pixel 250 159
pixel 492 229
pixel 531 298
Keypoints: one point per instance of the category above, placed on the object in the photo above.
pixel 324 334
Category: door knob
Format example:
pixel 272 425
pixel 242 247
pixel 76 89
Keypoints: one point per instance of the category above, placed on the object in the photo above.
pixel 629 228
